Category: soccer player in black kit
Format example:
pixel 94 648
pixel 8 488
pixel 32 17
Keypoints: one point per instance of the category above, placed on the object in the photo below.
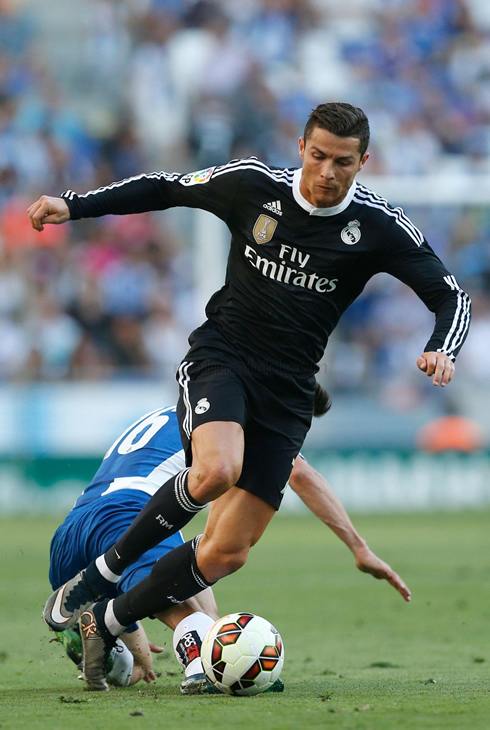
pixel 304 244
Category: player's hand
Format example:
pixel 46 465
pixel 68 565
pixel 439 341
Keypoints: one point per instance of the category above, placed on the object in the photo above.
pixel 155 649
pixel 368 562
pixel 48 210
pixel 151 676
pixel 437 364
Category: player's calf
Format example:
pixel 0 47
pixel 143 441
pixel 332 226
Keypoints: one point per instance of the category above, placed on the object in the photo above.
pixel 215 562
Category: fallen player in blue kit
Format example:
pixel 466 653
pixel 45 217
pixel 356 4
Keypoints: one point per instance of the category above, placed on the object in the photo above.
pixel 138 462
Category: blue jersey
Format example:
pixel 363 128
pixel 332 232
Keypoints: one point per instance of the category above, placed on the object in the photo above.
pixel 138 463
pixel 143 458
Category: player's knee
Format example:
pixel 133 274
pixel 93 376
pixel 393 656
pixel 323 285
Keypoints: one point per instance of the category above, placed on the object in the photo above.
pixel 214 480
pixel 301 473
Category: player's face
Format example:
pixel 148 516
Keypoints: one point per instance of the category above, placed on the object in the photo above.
pixel 330 164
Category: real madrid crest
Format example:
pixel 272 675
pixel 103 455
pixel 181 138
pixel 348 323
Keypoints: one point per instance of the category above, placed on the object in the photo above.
pixel 351 233
pixel 264 228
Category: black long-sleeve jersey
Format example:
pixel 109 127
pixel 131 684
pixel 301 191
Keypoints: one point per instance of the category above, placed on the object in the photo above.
pixel 292 268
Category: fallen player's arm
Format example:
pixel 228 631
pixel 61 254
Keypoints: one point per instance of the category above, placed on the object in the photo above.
pixel 141 649
pixel 320 498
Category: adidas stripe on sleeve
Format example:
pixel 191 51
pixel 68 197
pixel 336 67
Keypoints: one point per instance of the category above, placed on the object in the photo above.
pixel 460 321
pixel 367 197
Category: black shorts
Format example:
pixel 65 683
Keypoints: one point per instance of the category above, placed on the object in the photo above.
pixel 274 410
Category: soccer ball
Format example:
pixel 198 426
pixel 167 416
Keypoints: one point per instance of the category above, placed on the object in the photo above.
pixel 242 654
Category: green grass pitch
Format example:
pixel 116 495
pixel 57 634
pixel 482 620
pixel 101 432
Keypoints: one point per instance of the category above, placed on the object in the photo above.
pixel 357 656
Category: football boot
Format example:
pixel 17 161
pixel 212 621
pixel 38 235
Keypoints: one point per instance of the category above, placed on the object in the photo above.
pixel 71 642
pixel 198 684
pixel 97 645
pixel 65 606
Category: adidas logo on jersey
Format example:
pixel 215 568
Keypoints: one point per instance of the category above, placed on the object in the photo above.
pixel 274 207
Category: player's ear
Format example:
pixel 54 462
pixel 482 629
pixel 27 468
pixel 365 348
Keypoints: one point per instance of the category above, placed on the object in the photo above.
pixel 363 161
pixel 302 145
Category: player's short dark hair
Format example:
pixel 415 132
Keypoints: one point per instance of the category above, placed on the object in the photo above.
pixel 323 402
pixel 341 119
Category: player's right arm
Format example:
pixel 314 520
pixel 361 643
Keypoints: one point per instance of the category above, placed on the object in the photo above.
pixel 48 210
pixel 320 498
pixel 213 190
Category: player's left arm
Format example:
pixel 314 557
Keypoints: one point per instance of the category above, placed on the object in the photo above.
pixel 410 259
pixel 320 498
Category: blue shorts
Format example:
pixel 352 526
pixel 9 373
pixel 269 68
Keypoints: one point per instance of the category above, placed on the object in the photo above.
pixel 89 531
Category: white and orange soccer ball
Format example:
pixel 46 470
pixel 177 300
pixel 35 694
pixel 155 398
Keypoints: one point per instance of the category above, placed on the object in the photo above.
pixel 242 654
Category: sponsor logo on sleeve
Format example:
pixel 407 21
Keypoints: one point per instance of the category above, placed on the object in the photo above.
pixel 197 178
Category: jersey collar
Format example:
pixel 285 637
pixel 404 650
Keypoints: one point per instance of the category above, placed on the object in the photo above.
pixel 320 211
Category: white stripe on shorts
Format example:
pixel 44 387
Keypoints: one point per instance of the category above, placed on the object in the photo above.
pixel 184 383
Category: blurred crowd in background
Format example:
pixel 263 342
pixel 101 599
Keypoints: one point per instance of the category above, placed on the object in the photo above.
pixel 100 90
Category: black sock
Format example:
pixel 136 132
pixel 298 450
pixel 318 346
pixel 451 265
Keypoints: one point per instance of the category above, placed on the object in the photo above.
pixel 173 578
pixel 98 585
pixel 170 509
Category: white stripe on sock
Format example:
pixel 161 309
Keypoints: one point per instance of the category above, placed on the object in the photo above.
pixel 105 572
pixel 111 621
